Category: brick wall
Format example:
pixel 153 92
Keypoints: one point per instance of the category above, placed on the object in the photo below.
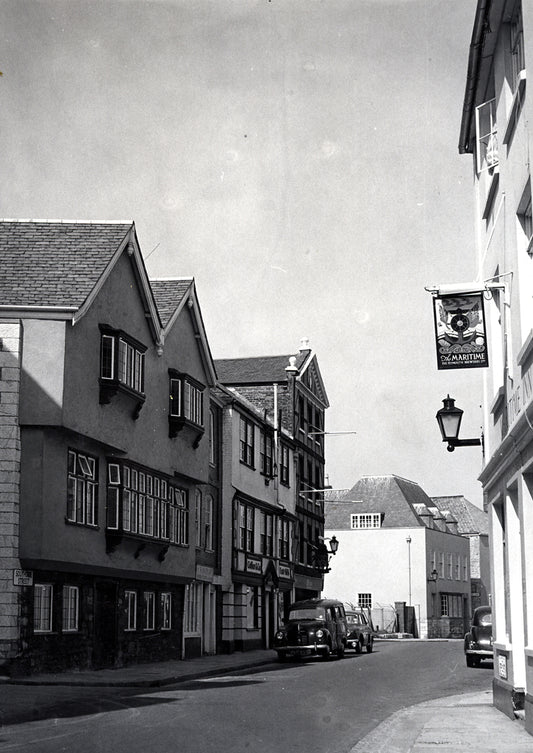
pixel 10 349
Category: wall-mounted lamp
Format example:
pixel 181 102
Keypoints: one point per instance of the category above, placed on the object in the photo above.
pixel 449 420
pixel 433 576
pixel 323 554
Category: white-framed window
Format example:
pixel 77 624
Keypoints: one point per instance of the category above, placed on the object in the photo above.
pixel 365 600
pixel 245 526
pixel 451 605
pixel 450 567
pixel 43 594
pixel 179 516
pixel 131 610
pixel 284 465
pixel 486 136
pixel 434 561
pixel 149 610
pixel 246 441
pixel 166 610
pixel 193 608
pixel 284 538
pixel 122 360
pixel 82 486
pixel 365 520
pixel 465 569
pixel 266 534
pixel 198 517
pixel 71 601
pixel 458 567
pixel 208 521
pixel 441 565
pixel 265 453
pixel 186 399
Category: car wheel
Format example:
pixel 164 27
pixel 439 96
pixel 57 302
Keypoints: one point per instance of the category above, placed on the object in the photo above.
pixel 358 647
pixel 282 657
pixel 340 651
pixel 326 653
pixel 370 646
pixel 471 661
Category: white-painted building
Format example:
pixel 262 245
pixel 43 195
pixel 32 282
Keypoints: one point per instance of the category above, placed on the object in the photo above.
pixel 398 550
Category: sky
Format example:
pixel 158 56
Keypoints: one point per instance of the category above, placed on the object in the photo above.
pixel 299 159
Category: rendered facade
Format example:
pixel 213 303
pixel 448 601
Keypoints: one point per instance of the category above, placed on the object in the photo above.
pixel 397 550
pixel 496 132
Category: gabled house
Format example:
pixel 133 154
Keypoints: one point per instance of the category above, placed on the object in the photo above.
pixel 473 524
pixel 104 385
pixel 397 550
pixel 258 474
pixel 290 389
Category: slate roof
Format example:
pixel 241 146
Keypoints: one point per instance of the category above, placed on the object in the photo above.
pixel 470 519
pixel 256 370
pixel 168 294
pixel 55 263
pixel 392 496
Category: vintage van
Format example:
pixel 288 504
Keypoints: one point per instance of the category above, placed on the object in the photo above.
pixel 315 627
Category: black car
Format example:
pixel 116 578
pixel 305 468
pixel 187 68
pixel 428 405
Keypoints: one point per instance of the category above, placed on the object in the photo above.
pixel 315 627
pixel 478 640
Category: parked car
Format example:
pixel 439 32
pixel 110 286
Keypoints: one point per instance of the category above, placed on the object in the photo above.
pixel 315 627
pixel 478 640
pixel 360 632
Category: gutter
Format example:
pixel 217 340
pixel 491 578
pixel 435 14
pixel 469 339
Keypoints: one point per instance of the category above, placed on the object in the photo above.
pixel 481 27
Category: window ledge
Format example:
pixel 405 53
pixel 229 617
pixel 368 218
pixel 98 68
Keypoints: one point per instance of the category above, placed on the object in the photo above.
pixel 516 106
pixel 497 403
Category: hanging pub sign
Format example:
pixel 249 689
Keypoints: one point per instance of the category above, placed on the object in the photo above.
pixel 460 334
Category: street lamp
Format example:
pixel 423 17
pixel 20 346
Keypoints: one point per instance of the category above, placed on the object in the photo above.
pixel 323 554
pixel 408 539
pixel 449 420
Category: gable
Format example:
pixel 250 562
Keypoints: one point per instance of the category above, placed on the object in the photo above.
pixel 311 378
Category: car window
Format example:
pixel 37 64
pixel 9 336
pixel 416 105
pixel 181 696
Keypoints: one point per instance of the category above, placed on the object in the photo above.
pixel 353 619
pixel 485 619
pixel 312 613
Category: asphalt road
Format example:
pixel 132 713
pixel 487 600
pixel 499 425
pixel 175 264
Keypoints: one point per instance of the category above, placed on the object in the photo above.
pixel 301 707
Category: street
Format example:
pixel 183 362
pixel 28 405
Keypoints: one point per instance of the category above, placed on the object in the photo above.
pixel 306 706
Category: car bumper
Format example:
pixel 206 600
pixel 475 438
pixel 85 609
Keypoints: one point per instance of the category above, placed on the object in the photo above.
pixel 488 653
pixel 309 649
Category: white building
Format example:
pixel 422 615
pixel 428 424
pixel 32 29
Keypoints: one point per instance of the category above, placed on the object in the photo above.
pixel 397 548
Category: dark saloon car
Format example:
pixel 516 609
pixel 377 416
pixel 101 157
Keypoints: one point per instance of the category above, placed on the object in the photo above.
pixel 315 627
pixel 478 640
pixel 360 633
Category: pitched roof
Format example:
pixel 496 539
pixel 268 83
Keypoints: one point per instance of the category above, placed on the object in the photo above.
pixel 392 496
pixel 55 263
pixel 470 519
pixel 256 370
pixel 168 294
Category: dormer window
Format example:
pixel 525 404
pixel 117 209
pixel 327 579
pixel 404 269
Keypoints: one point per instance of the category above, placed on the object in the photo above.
pixel 121 366
pixel 365 520
pixel 186 403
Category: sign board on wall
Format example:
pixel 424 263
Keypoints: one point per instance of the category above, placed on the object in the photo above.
pixel 460 335
pixel 23 577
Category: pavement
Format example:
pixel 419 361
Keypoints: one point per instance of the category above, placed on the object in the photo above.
pixel 465 723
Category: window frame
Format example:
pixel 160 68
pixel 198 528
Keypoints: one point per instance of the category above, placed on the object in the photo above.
pixel 43 622
pixel 130 597
pixel 165 601
pixel 373 519
pixel 266 453
pixel 123 365
pixel 82 489
pixel 364 600
pixel 284 474
pixel 70 609
pixel 149 610
pixel 186 401
pixel 246 441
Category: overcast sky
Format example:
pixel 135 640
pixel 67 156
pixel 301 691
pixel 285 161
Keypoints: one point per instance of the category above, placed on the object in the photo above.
pixel 298 158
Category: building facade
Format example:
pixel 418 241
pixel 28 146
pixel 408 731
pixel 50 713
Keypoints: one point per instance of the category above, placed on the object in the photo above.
pixel 424 576
pixel 290 389
pixel 104 387
pixel 258 524
pixel 496 131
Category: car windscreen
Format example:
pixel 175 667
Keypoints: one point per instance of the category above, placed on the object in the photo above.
pixel 484 618
pixel 354 619
pixel 307 614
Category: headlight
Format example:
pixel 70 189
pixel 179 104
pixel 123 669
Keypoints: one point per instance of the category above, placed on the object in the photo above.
pixel 319 633
pixel 280 635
